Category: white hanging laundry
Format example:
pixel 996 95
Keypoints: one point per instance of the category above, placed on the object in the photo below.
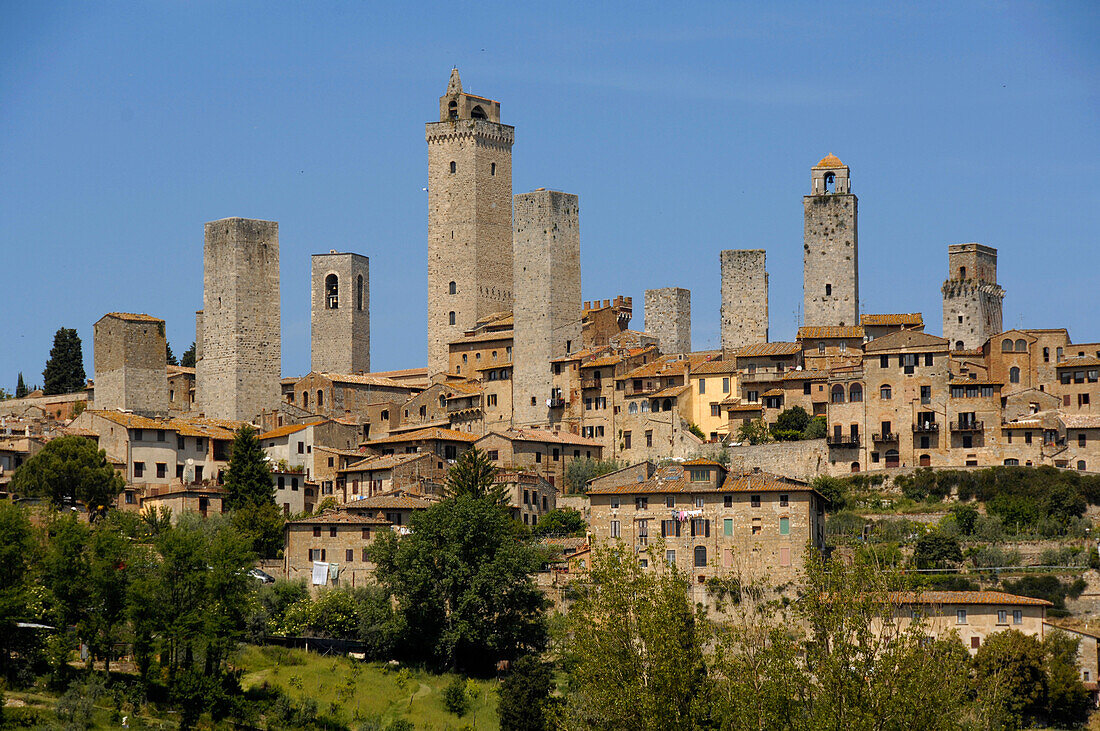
pixel 320 573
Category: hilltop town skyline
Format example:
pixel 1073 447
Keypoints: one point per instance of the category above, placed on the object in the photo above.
pixel 922 187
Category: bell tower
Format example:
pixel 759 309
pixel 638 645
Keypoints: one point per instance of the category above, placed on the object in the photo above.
pixel 469 217
pixel 830 250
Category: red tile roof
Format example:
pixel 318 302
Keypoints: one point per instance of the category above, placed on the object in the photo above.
pixel 761 349
pixel 965 597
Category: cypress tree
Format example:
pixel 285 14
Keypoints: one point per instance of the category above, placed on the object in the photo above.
pixel 21 388
pixel 248 480
pixel 169 357
pixel 65 369
pixel 188 359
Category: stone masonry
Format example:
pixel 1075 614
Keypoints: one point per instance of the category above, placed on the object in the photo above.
pixel 130 367
pixel 238 376
pixel 469 217
pixel 830 276
pixel 340 313
pixel 547 310
pixel 972 299
pixel 668 318
pixel 744 298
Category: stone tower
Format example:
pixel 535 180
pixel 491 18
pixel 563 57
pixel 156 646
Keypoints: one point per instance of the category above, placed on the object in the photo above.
pixel 130 364
pixel 547 311
pixel 340 313
pixel 744 298
pixel 971 296
pixel 668 318
pixel 830 277
pixel 469 217
pixel 238 375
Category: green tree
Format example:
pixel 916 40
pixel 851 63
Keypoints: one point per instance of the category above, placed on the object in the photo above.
pixel 936 550
pixel 833 489
pixel 64 371
pixel 790 424
pixel 694 429
pixel 966 518
pixel 187 360
pixel 1010 679
pixel 70 469
pixel 463 584
pixel 474 475
pixel 816 429
pixel 18 556
pixel 580 471
pixel 525 696
pixel 1067 702
pixel 248 479
pixel 21 388
pixel 634 649
pixel 169 357
pixel 561 522
pixel 455 698
pixel 753 432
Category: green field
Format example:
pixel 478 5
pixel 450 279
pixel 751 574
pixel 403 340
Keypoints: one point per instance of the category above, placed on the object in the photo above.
pixel 353 692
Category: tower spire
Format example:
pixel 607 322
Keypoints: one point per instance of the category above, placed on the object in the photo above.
pixel 454 86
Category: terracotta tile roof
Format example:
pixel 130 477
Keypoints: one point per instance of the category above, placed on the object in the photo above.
pixel 393 502
pixel 664 365
pixel 761 482
pixel 974 382
pixel 133 317
pixel 606 360
pixel 330 517
pixel 288 429
pixel 200 427
pixel 810 374
pixel 130 421
pixel 543 436
pixel 670 392
pixel 813 333
pixel 742 407
pixel 491 366
pixel 972 353
pixel 496 319
pixel 904 318
pixel 761 349
pixel 386 462
pixel 701 462
pixel 965 597
pixel 74 431
pixel 773 392
pixel 403 373
pixel 714 367
pixel 466 388
pixel 572 543
pixel 363 379
pixel 1029 424
pixel 484 337
pixel 902 339
pixel 830 161
pixel 581 354
pixel 1079 361
pixel 180 370
pixel 429 433
pixel 671 478
pixel 1081 421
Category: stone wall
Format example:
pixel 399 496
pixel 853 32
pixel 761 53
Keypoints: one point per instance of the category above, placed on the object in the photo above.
pixel 668 318
pixel 340 323
pixel 547 310
pixel 130 364
pixel 803 460
pixel 830 260
pixel 744 298
pixel 238 376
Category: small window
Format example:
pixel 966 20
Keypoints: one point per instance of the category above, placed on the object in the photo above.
pixel 1021 346
pixel 1006 346
pixel 616 529
pixel 451 317
pixel 492 168
pixel 828 290
pixel 885 392
pixel 1017 616
pixel 359 292
pixel 332 292
pixel 1014 374
pixel 700 556
pixel 1002 616
pixel 452 288
pixel 454 167
pixel 960 616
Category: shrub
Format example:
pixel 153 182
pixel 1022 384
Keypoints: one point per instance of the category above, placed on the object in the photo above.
pixel 833 490
pixel 936 550
pixel 455 698
pixel 983 557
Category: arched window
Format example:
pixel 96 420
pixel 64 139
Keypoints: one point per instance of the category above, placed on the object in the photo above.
pixel 478 113
pixel 700 556
pixel 452 110
pixel 838 394
pixel 885 392
pixel 359 292
pixel 305 399
pixel 451 317
pixel 454 167
pixel 892 458
pixel 1021 346
pixel 1006 346
pixel 645 407
pixel 1014 374
pixel 830 182
pixel 452 288
pixel 633 408
pixel 958 345
pixel 855 466
pixel 656 407
pixel 320 398
pixel 855 393
pixel 332 292
pixel 667 405
pixel 442 401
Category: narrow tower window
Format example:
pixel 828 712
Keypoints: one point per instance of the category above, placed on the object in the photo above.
pixel 830 183
pixel 962 272
pixel 454 167
pixel 452 110
pixel 828 289
pixel 452 288
pixel 451 317
pixel 359 292
pixel 332 292
pixel 492 168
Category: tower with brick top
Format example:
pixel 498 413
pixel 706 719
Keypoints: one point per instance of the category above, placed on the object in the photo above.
pixel 830 251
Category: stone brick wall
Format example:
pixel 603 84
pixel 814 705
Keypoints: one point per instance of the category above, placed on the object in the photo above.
pixel 130 367
pixel 238 376
pixel 340 324
pixel 469 226
pixel 744 298
pixel 830 260
pixel 972 299
pixel 668 318
pixel 547 299
pixel 803 460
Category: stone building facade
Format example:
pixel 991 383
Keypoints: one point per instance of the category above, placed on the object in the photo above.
pixel 668 318
pixel 238 373
pixel 972 299
pixel 547 309
pixel 130 363
pixel 744 298
pixel 830 276
pixel 340 313
pixel 337 539
pixel 605 320
pixel 469 217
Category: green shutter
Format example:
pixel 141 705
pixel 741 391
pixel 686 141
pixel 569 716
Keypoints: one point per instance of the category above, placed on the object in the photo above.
pixel 727 526
pixel 784 526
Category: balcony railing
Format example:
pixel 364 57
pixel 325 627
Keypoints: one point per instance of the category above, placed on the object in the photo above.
pixel 889 436
pixel 842 440
pixel 557 403
pixel 968 426
pixel 926 427
pixel 591 383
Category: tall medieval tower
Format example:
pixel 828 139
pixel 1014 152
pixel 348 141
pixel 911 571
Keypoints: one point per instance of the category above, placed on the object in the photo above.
pixel 340 313
pixel 469 217
pixel 830 277
pixel 971 296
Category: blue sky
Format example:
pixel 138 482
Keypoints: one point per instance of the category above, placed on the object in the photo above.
pixel 685 129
